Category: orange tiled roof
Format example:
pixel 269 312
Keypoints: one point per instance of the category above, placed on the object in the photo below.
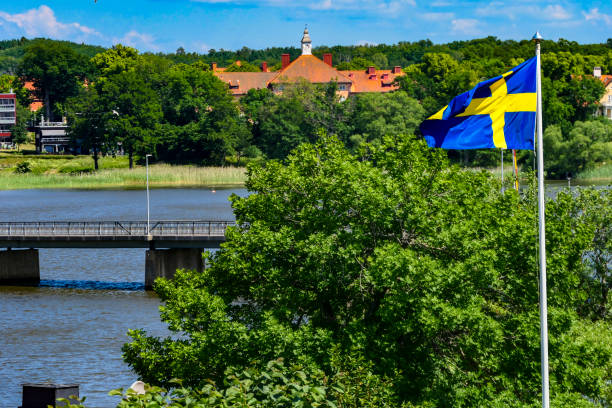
pixel 310 68
pixel 606 79
pixel 36 103
pixel 381 81
pixel 240 82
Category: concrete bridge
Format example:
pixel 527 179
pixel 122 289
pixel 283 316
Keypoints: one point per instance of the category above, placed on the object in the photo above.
pixel 170 245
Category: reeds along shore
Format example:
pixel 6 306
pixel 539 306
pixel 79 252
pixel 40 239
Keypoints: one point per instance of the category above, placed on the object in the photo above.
pixel 160 175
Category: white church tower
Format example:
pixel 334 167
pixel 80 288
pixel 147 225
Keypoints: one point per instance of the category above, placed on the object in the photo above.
pixel 306 43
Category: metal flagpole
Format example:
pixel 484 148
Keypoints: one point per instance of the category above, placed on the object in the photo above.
pixel 542 232
pixel 502 164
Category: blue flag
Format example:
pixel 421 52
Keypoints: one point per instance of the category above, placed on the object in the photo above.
pixel 496 113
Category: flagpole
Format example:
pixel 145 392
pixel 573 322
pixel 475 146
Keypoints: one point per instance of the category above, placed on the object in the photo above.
pixel 542 232
pixel 502 166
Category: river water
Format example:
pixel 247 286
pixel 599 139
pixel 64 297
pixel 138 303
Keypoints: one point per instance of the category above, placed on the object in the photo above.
pixel 71 329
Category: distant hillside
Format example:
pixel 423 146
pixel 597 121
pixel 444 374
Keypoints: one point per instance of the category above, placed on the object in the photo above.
pixel 11 52
pixel 403 53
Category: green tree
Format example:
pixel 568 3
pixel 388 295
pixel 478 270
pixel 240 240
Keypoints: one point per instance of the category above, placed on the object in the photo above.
pixel 56 70
pixel 587 145
pixel 377 115
pixel 203 121
pixel 19 132
pixel 242 66
pixel 88 122
pixel 584 94
pixel 10 83
pixel 284 121
pixel 133 110
pixel 115 60
pixel 396 258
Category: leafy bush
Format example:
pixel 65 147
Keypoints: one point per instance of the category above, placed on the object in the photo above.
pixel 23 167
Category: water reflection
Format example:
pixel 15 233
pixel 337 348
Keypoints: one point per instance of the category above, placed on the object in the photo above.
pixel 94 285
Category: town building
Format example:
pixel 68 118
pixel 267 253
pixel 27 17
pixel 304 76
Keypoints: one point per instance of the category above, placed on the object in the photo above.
pixel 8 118
pixel 310 68
pixel 605 103
pixel 52 137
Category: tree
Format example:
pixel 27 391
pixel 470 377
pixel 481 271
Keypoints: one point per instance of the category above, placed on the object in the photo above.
pixel 396 258
pixel 203 122
pixel 379 115
pixel 88 122
pixel 133 110
pixel 586 145
pixel 19 132
pixel 56 70
pixel 242 66
pixel 282 122
pixel 115 60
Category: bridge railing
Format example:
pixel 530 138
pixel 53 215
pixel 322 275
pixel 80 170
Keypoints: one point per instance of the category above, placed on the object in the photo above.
pixel 113 228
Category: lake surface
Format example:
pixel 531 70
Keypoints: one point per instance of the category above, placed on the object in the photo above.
pixel 71 329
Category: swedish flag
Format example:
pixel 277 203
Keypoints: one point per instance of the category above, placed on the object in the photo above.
pixel 497 113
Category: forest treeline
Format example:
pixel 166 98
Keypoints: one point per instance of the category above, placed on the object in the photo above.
pixel 172 106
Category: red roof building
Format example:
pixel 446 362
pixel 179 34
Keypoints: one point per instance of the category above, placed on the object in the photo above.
pixel 605 103
pixel 312 69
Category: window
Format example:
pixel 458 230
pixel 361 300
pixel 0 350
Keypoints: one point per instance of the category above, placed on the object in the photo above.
pixel 609 98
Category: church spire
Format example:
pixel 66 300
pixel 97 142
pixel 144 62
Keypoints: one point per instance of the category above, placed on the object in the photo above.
pixel 306 43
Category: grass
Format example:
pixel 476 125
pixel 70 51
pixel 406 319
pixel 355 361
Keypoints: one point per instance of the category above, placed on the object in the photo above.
pixel 48 171
pixel 597 176
pixel 601 173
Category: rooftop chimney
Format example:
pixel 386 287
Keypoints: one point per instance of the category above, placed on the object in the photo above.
pixel 213 66
pixel 597 72
pixel 264 66
pixel 371 70
pixel 286 60
pixel 397 69
pixel 327 58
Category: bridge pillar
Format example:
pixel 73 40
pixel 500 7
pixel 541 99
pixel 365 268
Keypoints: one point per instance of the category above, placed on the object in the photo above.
pixel 19 267
pixel 163 263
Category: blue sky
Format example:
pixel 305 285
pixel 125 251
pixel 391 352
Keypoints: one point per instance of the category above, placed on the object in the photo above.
pixel 199 25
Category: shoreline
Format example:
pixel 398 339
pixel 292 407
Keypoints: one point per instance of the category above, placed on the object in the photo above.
pixel 160 176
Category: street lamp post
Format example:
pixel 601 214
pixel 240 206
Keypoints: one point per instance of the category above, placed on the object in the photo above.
pixel 148 206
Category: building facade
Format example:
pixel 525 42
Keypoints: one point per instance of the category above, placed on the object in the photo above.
pixel 605 103
pixel 312 69
pixel 8 118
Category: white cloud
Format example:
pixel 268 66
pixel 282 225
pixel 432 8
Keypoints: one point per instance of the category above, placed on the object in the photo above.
pixel 387 6
pixel 467 26
pixel 440 3
pixel 138 40
pixel 556 12
pixel 437 16
pixel 366 42
pixel 41 22
pixel 551 12
pixel 595 16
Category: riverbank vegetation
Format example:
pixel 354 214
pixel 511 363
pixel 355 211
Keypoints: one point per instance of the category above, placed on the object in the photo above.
pixel 413 278
pixel 160 175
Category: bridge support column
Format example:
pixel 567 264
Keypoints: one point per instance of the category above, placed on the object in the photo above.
pixel 163 263
pixel 19 267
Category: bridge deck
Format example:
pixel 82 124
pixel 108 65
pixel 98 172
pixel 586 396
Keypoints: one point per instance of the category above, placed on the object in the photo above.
pixel 113 234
